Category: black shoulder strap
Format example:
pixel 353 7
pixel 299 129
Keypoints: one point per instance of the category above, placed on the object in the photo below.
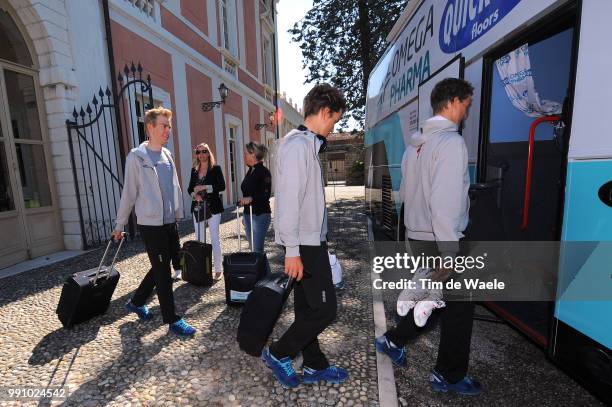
pixel 323 147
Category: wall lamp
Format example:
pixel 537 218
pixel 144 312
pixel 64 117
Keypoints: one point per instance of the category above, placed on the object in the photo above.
pixel 260 126
pixel 223 92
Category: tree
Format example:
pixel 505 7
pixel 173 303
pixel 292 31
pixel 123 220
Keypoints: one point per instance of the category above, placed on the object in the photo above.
pixel 341 41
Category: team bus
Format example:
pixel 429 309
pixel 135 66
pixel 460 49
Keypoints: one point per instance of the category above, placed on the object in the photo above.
pixel 539 140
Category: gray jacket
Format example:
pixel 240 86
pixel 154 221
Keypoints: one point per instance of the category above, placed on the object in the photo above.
pixel 435 184
pixel 141 190
pixel 300 217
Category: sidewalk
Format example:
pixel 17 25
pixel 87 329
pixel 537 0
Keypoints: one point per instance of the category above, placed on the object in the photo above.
pixel 117 360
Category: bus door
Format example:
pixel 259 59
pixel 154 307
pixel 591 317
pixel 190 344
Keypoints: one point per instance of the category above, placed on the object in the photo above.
pixel 523 151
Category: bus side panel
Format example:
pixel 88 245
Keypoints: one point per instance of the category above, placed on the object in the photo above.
pixel 583 342
pixel 586 218
pixel 385 147
pixel 591 126
pixel 583 334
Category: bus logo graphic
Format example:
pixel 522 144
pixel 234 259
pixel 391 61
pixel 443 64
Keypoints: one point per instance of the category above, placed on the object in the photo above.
pixel 465 21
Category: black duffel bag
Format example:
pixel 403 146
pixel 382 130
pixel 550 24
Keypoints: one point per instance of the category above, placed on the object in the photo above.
pixel 261 311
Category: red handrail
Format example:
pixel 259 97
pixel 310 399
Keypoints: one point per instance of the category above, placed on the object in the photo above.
pixel 527 197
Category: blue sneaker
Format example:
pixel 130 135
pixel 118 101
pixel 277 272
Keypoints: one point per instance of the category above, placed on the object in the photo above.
pixel 332 374
pixel 282 369
pixel 182 328
pixel 466 386
pixel 397 355
pixel 143 312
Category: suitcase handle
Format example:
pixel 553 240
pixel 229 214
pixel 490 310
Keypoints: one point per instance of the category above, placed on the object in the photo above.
pixel 241 254
pixel 110 242
pixel 197 208
pixel 238 224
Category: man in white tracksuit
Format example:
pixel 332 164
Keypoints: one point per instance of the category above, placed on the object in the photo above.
pixel 300 226
pixel 151 187
pixel 434 189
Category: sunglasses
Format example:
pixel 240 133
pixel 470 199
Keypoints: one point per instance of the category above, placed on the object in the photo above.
pixel 201 152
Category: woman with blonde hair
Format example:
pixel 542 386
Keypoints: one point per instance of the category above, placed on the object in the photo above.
pixel 204 186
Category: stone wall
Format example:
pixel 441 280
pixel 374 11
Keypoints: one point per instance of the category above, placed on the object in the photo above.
pixel 348 148
pixel 47 25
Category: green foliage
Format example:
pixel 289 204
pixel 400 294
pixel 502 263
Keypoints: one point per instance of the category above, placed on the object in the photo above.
pixel 357 167
pixel 355 174
pixel 341 41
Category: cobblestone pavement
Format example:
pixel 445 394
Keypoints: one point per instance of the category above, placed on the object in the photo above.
pixel 115 359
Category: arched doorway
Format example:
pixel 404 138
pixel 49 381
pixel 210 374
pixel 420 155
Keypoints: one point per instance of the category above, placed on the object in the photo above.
pixel 29 224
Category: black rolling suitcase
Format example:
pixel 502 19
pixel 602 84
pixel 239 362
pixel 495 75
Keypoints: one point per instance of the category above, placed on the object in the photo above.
pixel 261 311
pixel 87 294
pixel 242 270
pixel 197 260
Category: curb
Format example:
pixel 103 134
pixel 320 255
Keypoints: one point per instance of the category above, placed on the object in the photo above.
pixel 387 392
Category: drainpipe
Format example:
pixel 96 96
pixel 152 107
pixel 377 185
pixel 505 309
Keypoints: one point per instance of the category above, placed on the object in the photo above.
pixel 275 69
pixel 113 75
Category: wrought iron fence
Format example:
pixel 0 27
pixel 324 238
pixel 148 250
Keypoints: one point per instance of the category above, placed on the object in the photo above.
pixel 99 136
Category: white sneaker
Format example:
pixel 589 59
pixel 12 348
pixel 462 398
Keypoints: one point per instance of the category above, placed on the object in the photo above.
pixel 404 307
pixel 410 296
pixel 423 309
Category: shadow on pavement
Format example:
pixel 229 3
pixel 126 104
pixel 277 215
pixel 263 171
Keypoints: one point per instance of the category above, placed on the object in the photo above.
pixel 59 343
pixel 17 287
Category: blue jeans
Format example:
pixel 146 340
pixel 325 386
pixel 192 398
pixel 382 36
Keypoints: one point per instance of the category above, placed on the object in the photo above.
pixel 261 223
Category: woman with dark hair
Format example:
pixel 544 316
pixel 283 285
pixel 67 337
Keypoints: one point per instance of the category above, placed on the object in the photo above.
pixel 256 189
pixel 204 186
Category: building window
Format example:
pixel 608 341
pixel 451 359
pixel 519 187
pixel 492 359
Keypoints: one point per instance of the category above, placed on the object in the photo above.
pixel 14 47
pixel 268 65
pixel 28 137
pixel 232 159
pixel 229 27
pixel 140 111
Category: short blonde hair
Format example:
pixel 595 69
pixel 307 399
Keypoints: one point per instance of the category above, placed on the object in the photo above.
pixel 211 157
pixel 150 116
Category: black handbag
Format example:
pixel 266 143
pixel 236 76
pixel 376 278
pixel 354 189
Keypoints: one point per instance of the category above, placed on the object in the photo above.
pixel 201 210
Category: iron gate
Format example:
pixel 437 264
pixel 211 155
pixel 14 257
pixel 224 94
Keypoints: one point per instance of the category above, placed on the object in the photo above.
pixel 99 136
